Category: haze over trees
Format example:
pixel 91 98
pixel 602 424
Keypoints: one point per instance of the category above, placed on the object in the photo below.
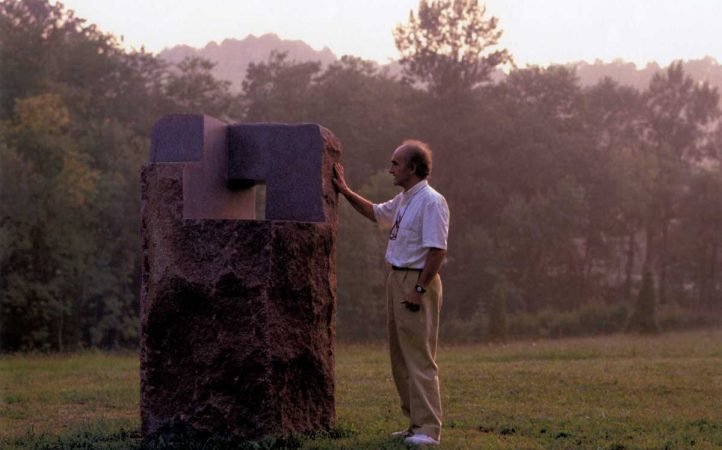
pixel 563 194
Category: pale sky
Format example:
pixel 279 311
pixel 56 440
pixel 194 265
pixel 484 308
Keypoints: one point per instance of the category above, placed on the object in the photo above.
pixel 535 31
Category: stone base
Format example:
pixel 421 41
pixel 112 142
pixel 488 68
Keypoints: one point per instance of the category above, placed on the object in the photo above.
pixel 237 319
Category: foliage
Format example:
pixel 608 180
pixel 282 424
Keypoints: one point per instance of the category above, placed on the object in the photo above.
pixel 566 193
pixel 43 46
pixel 587 320
pixel 447 46
pixel 75 114
pixel 278 90
pixel 193 89
pixel 43 260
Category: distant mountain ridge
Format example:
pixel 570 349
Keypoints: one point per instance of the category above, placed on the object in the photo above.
pixel 232 57
pixel 626 73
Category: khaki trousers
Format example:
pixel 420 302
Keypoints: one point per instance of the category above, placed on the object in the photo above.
pixel 413 339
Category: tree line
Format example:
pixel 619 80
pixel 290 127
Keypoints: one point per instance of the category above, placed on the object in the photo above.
pixel 574 209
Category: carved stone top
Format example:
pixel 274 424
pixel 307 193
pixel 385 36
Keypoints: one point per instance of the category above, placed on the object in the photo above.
pixel 223 162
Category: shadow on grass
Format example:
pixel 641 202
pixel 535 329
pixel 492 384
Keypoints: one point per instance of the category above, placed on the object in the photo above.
pixel 99 437
pixel 87 439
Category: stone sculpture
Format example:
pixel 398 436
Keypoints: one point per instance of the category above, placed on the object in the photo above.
pixel 237 314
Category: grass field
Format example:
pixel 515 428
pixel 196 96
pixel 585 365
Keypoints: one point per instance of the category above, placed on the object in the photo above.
pixel 619 392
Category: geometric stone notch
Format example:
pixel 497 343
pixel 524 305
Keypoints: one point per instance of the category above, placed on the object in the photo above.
pixel 200 144
pixel 238 315
pixel 287 158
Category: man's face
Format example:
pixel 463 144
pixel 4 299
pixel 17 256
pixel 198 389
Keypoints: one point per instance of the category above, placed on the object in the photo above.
pixel 400 169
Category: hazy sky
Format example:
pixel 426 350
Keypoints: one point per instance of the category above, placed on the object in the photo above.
pixel 535 31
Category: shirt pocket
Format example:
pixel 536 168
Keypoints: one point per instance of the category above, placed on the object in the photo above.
pixel 410 236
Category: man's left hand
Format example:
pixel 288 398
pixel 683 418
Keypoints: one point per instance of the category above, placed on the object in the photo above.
pixel 412 301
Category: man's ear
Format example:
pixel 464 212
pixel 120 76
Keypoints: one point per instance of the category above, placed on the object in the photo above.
pixel 413 168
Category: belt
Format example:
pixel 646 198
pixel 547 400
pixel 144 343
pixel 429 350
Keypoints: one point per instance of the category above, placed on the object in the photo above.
pixel 406 268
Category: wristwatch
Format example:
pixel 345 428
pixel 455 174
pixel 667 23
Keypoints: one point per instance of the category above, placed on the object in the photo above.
pixel 420 289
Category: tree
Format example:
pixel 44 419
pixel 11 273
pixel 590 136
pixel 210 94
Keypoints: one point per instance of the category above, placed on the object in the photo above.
pixel 616 182
pixel 644 316
pixel 538 236
pixel 449 46
pixel 74 113
pixel 46 256
pixel 678 112
pixel 366 109
pixel 278 90
pixel 697 242
pixel 192 88
pixel 44 47
pixel 497 312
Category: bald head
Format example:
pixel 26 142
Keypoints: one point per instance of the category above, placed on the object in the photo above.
pixel 417 155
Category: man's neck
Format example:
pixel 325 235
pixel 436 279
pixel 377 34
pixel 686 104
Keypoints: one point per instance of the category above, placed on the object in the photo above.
pixel 412 182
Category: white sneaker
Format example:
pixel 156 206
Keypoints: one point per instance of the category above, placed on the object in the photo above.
pixel 401 434
pixel 421 439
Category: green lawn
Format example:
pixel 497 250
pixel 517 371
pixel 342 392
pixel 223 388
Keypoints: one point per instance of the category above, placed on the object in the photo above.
pixel 619 392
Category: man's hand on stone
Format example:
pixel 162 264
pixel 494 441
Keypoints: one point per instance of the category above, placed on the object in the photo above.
pixel 360 204
pixel 339 180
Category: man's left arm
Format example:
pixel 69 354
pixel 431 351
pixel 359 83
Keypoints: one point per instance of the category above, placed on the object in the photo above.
pixel 434 259
pixel 435 232
pixel 433 263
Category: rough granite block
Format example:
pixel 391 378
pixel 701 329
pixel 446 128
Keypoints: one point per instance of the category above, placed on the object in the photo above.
pixel 237 316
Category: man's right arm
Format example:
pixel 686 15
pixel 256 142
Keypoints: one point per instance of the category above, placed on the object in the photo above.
pixel 360 204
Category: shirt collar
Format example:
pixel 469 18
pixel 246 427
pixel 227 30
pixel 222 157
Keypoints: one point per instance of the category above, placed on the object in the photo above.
pixel 417 187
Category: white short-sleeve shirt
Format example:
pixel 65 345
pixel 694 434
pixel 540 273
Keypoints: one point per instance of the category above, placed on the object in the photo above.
pixel 417 220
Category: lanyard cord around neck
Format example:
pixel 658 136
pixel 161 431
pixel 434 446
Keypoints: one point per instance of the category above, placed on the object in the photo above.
pixel 393 234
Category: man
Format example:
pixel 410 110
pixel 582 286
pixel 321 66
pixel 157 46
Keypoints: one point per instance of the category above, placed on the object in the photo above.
pixel 418 219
